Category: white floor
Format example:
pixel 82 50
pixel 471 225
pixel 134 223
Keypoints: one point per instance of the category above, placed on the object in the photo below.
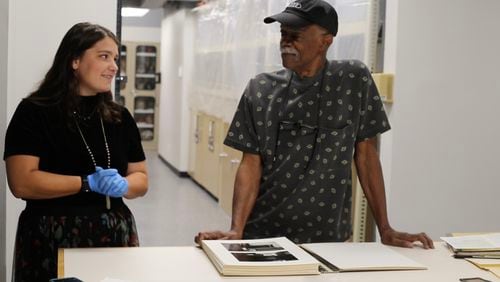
pixel 174 209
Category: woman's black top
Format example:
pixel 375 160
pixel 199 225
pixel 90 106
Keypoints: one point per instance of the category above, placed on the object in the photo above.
pixel 43 131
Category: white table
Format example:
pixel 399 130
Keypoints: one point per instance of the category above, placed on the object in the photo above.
pixel 147 264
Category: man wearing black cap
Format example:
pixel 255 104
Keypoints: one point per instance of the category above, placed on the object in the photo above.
pixel 299 129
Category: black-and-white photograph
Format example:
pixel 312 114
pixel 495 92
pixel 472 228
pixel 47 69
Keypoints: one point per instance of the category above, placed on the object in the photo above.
pixel 277 256
pixel 252 247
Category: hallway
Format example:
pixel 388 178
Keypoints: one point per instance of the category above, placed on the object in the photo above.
pixel 174 209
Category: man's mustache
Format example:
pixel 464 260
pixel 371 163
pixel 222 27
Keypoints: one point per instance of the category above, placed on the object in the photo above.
pixel 289 50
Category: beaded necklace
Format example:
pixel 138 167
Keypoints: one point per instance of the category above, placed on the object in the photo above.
pixel 108 154
pixel 84 117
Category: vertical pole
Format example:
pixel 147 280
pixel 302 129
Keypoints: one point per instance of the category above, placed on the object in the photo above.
pixel 118 78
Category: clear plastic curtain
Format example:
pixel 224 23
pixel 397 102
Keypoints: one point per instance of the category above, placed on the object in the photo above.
pixel 233 45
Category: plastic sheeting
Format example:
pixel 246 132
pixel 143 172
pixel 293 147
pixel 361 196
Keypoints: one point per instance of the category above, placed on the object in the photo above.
pixel 233 44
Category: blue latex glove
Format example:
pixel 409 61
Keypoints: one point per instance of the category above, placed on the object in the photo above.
pixel 114 186
pixel 97 178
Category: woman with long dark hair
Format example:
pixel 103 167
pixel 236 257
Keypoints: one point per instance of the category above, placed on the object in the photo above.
pixel 72 154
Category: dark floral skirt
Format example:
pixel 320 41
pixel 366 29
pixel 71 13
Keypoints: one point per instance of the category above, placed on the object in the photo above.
pixel 39 237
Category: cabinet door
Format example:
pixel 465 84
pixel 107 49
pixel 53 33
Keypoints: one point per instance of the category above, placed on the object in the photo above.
pixel 145 67
pixel 230 161
pixel 122 76
pixel 144 115
pixel 140 89
pixel 213 147
pixel 201 151
pixel 194 136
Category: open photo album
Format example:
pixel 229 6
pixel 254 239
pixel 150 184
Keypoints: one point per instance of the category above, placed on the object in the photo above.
pixel 273 256
pixel 280 256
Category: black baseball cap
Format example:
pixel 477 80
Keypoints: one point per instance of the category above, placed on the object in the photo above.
pixel 301 13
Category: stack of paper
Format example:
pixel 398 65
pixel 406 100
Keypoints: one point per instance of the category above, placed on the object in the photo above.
pixel 483 250
pixel 475 246
pixel 493 265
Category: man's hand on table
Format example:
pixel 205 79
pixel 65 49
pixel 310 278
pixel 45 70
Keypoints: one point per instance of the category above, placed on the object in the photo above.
pixel 217 235
pixel 403 239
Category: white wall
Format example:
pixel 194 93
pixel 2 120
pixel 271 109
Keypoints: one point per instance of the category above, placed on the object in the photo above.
pixel 187 72
pixel 445 135
pixel 176 45
pixel 4 24
pixel 35 30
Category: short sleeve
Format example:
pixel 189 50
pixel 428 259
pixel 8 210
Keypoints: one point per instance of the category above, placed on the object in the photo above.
pixel 24 136
pixel 135 152
pixel 373 119
pixel 242 134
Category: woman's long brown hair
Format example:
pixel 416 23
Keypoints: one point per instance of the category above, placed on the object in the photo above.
pixel 60 85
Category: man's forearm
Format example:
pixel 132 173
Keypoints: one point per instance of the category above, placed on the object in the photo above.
pixel 243 202
pixel 372 181
pixel 246 189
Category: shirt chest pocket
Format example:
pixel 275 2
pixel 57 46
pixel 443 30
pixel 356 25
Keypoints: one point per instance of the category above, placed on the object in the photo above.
pixel 295 143
pixel 335 147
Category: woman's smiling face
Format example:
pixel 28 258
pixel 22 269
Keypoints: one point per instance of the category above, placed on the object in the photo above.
pixel 96 68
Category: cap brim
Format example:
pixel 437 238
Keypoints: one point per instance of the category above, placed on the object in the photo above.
pixel 287 19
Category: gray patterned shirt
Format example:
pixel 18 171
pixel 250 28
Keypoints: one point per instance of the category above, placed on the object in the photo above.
pixel 305 130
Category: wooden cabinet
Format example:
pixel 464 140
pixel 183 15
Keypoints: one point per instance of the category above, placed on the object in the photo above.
pixel 194 136
pixel 140 88
pixel 199 138
pixel 208 133
pixel 229 162
pixel 212 164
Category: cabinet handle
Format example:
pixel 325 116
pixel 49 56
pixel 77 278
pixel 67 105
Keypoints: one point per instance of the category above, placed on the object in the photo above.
pixel 235 161
pixel 223 155
pixel 120 78
pixel 197 137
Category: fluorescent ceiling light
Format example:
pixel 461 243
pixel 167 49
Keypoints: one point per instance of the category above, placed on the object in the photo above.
pixel 134 12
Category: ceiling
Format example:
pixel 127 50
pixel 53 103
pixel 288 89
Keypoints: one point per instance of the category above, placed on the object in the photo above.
pixel 150 4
